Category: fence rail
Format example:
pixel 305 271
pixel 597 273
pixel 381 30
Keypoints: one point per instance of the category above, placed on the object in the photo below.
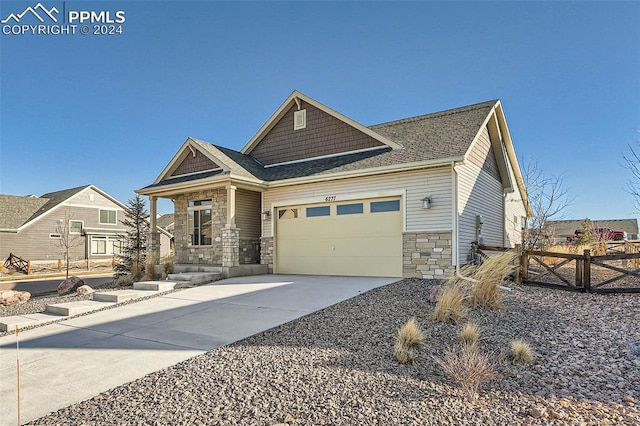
pixel 607 273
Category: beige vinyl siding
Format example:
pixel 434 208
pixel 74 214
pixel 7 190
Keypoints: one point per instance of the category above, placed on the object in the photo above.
pixel 514 212
pixel 412 185
pixel 99 201
pixel 478 194
pixel 248 213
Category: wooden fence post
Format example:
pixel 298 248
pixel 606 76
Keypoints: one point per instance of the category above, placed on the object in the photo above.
pixel 29 267
pixel 587 270
pixel 59 265
pixel 525 266
pixel 579 271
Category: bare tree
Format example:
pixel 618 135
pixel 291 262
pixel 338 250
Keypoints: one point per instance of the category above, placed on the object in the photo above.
pixel 632 163
pixel 67 240
pixel 548 198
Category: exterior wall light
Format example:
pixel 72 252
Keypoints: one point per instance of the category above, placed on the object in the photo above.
pixel 266 215
pixel 426 202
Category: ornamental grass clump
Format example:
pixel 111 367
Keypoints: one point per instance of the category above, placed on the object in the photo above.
pixel 521 352
pixel 485 291
pixel 409 336
pixel 469 334
pixel 450 306
pixel 468 367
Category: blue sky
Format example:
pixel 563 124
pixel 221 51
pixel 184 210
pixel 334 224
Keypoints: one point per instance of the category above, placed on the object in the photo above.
pixel 112 110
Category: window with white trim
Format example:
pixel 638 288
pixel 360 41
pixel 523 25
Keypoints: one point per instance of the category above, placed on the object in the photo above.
pixel 105 245
pixel 108 217
pixel 76 226
pixel 200 225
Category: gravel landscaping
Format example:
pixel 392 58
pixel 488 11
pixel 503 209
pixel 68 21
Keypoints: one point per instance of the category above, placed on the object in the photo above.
pixel 336 367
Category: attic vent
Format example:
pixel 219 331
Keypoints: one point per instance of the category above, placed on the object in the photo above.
pixel 299 119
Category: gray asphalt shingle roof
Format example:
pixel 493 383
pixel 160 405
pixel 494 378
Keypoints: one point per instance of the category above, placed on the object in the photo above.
pixel 16 211
pixel 441 135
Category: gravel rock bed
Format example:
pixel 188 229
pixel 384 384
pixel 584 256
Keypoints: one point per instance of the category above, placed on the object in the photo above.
pixel 336 367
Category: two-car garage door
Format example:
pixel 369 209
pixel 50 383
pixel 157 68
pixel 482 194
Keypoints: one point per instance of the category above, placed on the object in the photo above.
pixel 358 238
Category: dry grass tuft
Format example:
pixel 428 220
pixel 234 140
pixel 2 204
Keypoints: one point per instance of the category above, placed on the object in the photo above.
pixel 485 292
pixel 521 352
pixel 403 354
pixel 411 334
pixel 469 334
pixel 467 367
pixel 450 306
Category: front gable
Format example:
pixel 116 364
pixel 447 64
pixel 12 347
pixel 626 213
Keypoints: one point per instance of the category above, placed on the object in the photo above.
pixel 303 129
pixel 194 161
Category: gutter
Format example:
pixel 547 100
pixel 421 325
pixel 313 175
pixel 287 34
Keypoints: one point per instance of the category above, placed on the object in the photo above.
pixel 455 238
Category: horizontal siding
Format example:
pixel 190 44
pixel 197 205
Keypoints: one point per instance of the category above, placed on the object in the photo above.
pixel 99 201
pixel 416 184
pixel 248 213
pixel 515 211
pixel 33 242
pixel 478 194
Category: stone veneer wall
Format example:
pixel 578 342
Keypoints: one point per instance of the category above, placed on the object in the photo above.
pixel 249 251
pixel 209 254
pixel 426 255
pixel 266 252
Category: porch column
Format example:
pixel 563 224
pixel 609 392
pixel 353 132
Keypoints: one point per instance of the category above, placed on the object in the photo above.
pixel 231 206
pixel 230 234
pixel 153 245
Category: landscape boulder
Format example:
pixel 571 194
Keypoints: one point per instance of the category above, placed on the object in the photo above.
pixel 13 297
pixel 85 289
pixel 70 285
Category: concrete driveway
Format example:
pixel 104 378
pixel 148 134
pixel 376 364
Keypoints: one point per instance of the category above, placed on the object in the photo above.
pixel 76 359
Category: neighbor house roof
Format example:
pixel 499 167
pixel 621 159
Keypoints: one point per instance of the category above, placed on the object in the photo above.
pixel 18 211
pixel 568 227
pixel 166 221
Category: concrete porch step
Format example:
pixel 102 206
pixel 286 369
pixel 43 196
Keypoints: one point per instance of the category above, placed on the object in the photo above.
pixel 76 308
pixel 183 267
pixel 121 295
pixel 195 277
pixel 155 285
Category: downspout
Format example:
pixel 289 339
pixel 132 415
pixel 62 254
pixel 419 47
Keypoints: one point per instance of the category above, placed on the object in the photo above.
pixel 455 240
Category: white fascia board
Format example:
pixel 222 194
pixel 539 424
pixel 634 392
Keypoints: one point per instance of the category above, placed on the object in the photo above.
pixel 271 122
pixel 428 164
pixel 513 159
pixel 189 144
pixel 208 183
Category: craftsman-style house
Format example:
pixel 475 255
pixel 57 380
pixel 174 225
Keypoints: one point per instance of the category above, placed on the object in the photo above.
pixel 315 192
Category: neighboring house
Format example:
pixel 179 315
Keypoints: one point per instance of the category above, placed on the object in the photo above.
pixel 314 192
pixel 165 225
pixel 562 229
pixel 29 226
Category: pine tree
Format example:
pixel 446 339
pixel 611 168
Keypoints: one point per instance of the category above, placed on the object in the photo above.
pixel 134 248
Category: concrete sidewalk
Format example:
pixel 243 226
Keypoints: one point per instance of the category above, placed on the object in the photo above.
pixel 73 360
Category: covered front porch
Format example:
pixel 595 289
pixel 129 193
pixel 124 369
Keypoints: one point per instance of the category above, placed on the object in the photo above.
pixel 217 225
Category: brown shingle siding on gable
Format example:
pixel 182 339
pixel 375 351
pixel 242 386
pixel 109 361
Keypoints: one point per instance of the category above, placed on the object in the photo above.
pixel 195 164
pixel 482 155
pixel 324 135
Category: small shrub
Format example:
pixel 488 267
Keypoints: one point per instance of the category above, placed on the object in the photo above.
pixel 403 354
pixel 521 352
pixel 124 280
pixel 410 334
pixel 485 292
pixel 450 306
pixel 167 265
pixel 467 367
pixel 469 334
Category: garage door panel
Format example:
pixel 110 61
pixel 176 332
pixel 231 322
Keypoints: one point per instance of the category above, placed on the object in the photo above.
pixel 360 244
